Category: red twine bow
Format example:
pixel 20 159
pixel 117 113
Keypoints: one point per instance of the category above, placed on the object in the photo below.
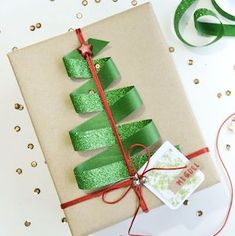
pixel 136 183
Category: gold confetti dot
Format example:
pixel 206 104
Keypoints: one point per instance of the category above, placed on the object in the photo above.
pixel 228 92
pixel 91 92
pixel 134 2
pixel 38 25
pixel 19 106
pixel 97 66
pixel 97 1
pixel 190 62
pixel 14 49
pixel 228 146
pixel 219 95
pixel 79 15
pixel 34 164
pixel 70 29
pixel 115 0
pixel 171 49
pixel 17 128
pixel 37 191
pixel 19 171
pixel 64 220
pixel 27 223
pixel 196 81
pixel 199 213
pixel 30 146
pixel 186 202
pixel 32 27
pixel 84 2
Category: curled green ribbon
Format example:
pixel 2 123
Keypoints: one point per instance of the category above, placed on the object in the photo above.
pixel 210 29
pixel 107 167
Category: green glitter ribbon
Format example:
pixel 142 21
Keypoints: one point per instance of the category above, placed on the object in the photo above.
pixel 107 167
pixel 209 29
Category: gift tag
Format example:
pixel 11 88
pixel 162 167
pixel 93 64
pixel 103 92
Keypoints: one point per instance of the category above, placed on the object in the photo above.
pixel 172 187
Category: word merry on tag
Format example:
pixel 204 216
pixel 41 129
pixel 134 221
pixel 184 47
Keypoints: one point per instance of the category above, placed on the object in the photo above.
pixel 172 187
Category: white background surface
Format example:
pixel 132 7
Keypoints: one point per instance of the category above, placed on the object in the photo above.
pixel 213 66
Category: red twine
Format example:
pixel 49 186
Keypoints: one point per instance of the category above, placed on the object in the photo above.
pixel 135 180
pixel 230 183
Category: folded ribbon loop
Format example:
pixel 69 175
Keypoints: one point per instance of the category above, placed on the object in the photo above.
pixel 210 29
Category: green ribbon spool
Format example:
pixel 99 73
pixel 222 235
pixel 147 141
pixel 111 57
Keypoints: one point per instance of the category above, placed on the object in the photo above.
pixel 210 29
pixel 107 167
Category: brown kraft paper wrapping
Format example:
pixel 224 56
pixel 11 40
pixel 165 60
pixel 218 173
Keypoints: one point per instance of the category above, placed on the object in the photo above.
pixel 141 55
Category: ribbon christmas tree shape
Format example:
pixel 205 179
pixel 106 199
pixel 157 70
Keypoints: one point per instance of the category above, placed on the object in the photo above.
pixel 107 167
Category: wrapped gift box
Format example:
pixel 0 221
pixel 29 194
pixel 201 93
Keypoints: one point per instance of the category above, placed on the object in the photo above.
pixel 142 57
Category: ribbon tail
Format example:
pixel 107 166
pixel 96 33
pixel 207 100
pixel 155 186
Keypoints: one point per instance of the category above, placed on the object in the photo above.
pixel 142 202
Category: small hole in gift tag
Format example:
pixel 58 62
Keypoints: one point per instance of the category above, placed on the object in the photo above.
pixel 64 220
pixel 17 128
pixel 30 146
pixel 34 163
pixel 19 171
pixel 97 1
pixel 27 223
pixel 199 213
